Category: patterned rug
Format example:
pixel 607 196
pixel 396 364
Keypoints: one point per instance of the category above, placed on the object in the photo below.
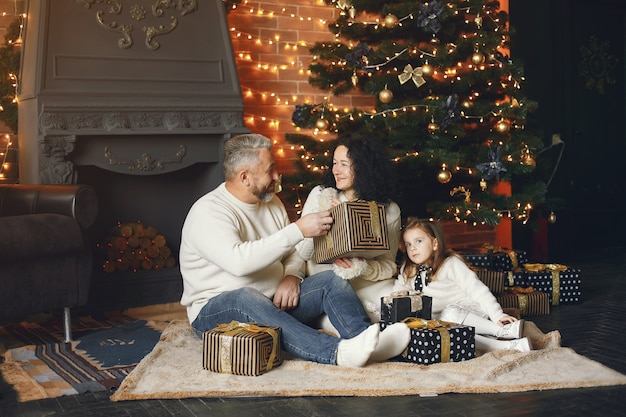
pixel 38 364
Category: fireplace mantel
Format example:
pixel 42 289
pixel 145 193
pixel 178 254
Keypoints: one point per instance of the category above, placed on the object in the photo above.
pixel 135 99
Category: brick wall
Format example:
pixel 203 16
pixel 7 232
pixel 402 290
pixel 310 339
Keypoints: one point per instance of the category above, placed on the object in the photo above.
pixel 271 41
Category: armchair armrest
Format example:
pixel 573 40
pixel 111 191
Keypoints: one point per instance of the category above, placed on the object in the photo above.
pixel 74 200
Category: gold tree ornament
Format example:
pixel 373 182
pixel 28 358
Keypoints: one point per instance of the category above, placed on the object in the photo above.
pixel 427 69
pixel 464 191
pixel 503 126
pixel 432 127
pixel 321 124
pixel 391 21
pixel 483 184
pixel 444 176
pixel 385 95
pixel 530 161
pixel 410 73
pixel 354 79
pixel 552 217
pixel 478 58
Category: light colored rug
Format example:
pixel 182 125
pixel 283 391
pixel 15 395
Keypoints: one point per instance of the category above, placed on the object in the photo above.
pixel 174 370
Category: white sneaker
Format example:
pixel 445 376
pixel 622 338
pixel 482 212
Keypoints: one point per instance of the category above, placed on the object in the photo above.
pixel 513 330
pixel 523 344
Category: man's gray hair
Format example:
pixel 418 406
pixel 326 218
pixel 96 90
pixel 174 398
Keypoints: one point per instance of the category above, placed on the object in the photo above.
pixel 242 151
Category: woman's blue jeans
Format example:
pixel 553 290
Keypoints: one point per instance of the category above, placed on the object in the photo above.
pixel 320 293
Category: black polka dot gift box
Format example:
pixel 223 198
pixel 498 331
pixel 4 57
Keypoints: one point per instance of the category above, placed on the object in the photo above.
pixel 561 283
pixel 436 341
pixel 494 257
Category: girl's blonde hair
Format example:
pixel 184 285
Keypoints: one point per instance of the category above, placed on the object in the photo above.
pixel 433 229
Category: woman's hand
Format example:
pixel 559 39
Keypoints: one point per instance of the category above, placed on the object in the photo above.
pixel 343 262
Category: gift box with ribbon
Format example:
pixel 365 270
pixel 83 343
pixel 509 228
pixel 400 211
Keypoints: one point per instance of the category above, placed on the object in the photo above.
pixel 436 341
pixel 560 282
pixel 494 280
pixel 400 305
pixel 506 259
pixel 359 230
pixel 527 300
pixel 241 348
pixel 494 257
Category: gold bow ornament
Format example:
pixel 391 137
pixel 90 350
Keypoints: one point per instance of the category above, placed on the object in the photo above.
pixel 414 74
pixel 231 337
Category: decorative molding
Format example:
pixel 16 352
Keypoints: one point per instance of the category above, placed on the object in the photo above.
pixel 155 121
pixel 145 162
pixel 112 10
pixel 54 167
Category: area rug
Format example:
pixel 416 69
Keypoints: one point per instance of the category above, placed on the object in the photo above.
pixel 174 370
pixel 98 359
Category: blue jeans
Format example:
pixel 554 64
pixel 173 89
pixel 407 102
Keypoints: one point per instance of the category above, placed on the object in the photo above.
pixel 320 293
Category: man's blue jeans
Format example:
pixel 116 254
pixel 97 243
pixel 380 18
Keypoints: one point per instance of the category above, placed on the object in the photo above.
pixel 320 293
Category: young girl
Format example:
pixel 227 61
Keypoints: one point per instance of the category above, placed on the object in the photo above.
pixel 458 295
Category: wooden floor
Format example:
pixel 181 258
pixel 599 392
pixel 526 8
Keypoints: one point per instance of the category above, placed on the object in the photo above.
pixel 594 328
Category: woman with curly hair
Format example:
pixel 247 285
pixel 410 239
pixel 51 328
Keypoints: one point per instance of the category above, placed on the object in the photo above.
pixel 361 170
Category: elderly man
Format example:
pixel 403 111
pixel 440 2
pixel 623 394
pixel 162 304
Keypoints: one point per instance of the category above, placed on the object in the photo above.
pixel 238 262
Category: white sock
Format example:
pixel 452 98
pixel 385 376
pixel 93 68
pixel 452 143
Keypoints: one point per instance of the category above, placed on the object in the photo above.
pixel 487 344
pixel 391 342
pixel 481 324
pixel 355 352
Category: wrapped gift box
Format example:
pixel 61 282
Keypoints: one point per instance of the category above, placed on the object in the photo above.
pixel 494 280
pixel 527 300
pixel 403 304
pixel 241 349
pixel 561 283
pixel 477 258
pixel 495 258
pixel 434 341
pixel 506 259
pixel 359 230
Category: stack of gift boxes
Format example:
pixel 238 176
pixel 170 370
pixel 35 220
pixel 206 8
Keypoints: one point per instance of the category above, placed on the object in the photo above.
pixel 530 287
pixel 432 341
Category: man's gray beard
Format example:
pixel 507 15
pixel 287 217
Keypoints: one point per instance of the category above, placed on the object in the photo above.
pixel 264 195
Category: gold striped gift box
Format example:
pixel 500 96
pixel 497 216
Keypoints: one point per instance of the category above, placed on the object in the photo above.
pixel 359 230
pixel 527 300
pixel 238 348
pixel 494 280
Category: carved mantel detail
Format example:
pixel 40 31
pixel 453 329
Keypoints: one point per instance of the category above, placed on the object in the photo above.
pixel 54 166
pixel 145 162
pixel 115 17
pixel 152 121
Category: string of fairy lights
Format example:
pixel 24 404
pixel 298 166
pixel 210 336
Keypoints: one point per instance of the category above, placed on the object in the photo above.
pixel 17 42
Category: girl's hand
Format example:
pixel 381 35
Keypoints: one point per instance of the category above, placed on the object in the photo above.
pixel 505 320
pixel 334 202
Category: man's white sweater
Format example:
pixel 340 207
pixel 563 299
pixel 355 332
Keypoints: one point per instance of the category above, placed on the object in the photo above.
pixel 227 244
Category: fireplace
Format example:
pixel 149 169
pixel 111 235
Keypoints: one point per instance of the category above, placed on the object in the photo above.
pixel 137 101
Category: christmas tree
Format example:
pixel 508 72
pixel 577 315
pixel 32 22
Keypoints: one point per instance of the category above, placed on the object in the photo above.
pixel 450 107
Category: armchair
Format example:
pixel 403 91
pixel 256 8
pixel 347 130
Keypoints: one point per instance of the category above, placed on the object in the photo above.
pixel 45 257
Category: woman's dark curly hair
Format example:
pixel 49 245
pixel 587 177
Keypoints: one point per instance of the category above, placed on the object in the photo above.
pixel 373 171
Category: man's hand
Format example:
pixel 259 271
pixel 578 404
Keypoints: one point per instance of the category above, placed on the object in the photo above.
pixel 287 294
pixel 315 224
